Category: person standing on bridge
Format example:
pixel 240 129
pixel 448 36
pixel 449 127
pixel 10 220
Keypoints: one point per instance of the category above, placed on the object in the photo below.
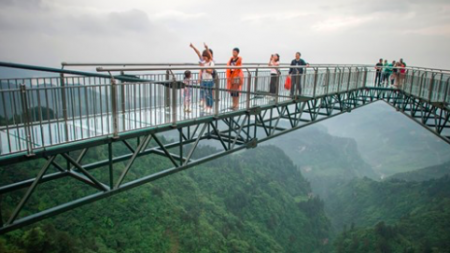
pixel 393 72
pixel 386 73
pixel 296 74
pixel 402 72
pixel 396 71
pixel 274 75
pixel 378 67
pixel 235 78
pixel 187 92
pixel 207 81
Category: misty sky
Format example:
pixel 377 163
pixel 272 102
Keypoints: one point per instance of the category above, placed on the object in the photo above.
pixel 48 32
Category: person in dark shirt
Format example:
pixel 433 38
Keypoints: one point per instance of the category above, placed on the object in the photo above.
pixel 379 68
pixel 296 74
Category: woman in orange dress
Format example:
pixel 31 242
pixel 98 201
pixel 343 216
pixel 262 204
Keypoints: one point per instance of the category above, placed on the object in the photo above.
pixel 235 78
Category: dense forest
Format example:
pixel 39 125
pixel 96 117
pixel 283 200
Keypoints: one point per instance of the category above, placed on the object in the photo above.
pixel 259 200
pixel 256 201
pixel 395 216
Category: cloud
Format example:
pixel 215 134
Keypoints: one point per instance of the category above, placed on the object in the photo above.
pixel 440 30
pixel 178 15
pixel 346 31
pixel 340 23
pixel 269 17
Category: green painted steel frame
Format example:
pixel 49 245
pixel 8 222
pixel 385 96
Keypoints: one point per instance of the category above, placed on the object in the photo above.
pixel 232 131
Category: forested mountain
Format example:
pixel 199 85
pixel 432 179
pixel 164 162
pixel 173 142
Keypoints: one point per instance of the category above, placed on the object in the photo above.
pixel 388 141
pixel 256 201
pixel 394 216
pixel 326 161
pixel 431 172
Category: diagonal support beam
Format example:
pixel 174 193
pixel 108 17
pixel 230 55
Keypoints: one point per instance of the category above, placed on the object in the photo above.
pixel 141 147
pixel 165 150
pixel 239 132
pixel 85 172
pixel 191 152
pixel 30 190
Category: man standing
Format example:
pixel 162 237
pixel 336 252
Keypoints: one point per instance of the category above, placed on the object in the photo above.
pixel 296 74
pixel 378 67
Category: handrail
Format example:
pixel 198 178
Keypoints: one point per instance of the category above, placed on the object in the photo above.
pixel 177 66
pixel 65 71
pixel 244 64
pixel 186 64
pixel 197 67
pixel 265 66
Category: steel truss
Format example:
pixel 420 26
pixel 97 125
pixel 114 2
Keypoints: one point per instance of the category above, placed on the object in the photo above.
pixel 232 131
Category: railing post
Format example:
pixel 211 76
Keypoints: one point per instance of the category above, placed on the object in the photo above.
pixel 174 101
pixel 256 79
pixel 316 70
pixel 64 104
pixel 421 85
pixel 114 107
pixel 430 89
pixel 26 113
pixel 339 80
pixel 122 90
pixel 249 82
pixel 440 86
pixel 412 82
pixel 365 77
pixel 277 87
pixel 349 78
pixel 447 90
pixel 167 95
pixel 216 94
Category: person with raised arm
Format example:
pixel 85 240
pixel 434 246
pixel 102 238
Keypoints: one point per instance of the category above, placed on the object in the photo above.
pixel 235 77
pixel 200 57
pixel 274 75
pixel 207 81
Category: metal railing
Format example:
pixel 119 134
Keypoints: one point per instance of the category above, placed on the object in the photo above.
pixel 40 112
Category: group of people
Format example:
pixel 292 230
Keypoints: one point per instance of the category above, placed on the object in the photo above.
pixel 235 78
pixel 390 73
pixel 209 78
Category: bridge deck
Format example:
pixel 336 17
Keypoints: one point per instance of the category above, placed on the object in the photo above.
pixel 83 109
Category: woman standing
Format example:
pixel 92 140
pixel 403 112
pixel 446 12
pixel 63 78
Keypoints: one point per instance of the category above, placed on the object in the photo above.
pixel 274 75
pixel 207 81
pixel 396 74
pixel 402 72
pixel 235 78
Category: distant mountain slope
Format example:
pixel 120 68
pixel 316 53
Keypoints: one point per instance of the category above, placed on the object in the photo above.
pixel 325 160
pixel 402 217
pixel 389 141
pixel 432 172
pixel 365 202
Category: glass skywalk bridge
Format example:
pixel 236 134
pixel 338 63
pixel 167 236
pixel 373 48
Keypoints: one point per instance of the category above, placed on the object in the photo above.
pixel 57 119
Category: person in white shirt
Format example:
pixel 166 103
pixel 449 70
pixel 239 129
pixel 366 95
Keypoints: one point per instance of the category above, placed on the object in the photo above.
pixel 274 74
pixel 207 82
